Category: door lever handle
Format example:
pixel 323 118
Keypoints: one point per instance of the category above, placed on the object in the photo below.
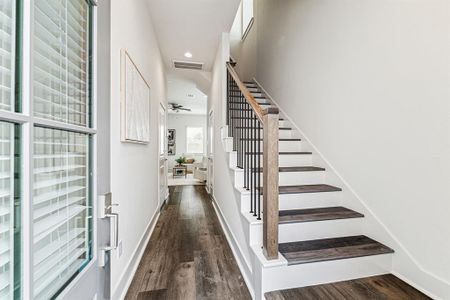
pixel 115 233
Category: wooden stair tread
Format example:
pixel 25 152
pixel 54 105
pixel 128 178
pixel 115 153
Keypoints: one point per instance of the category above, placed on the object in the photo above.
pixel 299 169
pixel 387 287
pixel 281 128
pixel 280 139
pixel 331 249
pixel 317 214
pixel 283 153
pixel 308 188
pixel 245 118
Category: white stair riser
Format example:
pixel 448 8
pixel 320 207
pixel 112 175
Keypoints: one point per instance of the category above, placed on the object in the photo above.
pixel 309 230
pixel 299 178
pixel 298 201
pixel 286 277
pixel 283 134
pixel 257 94
pixel 309 200
pixel 286 146
pixel 319 230
pixel 288 178
pixel 295 160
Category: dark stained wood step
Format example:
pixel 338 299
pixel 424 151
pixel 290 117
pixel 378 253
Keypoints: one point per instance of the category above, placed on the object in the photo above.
pixel 384 287
pixel 283 153
pixel 280 128
pixel 308 188
pixel 245 118
pixel 331 249
pixel 242 103
pixel 299 169
pixel 317 214
pixel 281 140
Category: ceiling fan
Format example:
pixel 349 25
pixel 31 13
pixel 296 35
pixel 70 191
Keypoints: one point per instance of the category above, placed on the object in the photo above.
pixel 177 107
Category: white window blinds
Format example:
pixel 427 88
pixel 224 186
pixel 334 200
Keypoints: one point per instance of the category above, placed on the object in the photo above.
pixel 61 60
pixel 61 212
pixel 60 216
pixel 6 210
pixel 7 71
pixel 7 53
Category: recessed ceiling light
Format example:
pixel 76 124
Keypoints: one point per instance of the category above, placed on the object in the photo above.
pixel 188 54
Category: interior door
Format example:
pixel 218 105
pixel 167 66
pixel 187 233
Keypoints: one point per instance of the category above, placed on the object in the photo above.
pixel 163 189
pixel 210 180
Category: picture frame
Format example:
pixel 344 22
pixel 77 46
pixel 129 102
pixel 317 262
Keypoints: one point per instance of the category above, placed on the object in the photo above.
pixel 135 102
pixel 171 142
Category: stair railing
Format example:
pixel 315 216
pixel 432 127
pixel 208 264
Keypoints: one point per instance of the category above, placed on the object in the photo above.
pixel 255 139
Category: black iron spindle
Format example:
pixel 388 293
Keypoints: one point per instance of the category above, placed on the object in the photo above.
pixel 259 170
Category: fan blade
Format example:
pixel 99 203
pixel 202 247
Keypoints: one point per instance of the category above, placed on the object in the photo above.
pixel 186 109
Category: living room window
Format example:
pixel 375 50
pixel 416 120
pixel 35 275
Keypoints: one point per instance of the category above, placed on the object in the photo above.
pixel 194 140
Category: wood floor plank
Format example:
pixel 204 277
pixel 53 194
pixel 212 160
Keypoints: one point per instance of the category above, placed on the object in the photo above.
pixel 188 256
pixel 182 285
pixel 153 295
pixel 384 287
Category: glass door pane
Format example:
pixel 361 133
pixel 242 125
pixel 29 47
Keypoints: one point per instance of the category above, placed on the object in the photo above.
pixel 8 230
pixel 61 214
pixel 60 58
pixel 7 53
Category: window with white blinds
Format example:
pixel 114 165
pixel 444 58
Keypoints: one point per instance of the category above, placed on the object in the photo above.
pixel 7 53
pixel 45 161
pixel 61 60
pixel 61 167
pixel 7 203
pixel 60 208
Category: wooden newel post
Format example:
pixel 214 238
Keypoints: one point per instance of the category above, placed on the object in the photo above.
pixel 270 183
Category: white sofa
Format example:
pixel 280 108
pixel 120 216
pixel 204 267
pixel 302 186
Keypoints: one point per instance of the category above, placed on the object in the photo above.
pixel 201 169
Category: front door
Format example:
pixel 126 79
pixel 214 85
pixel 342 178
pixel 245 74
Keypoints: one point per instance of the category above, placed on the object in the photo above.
pixel 163 189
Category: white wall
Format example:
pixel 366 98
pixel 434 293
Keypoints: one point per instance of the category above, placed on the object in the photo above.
pixel 180 122
pixel 224 192
pixel 369 84
pixel 134 168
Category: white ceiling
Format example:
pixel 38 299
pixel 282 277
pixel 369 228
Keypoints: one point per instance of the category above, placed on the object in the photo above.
pixel 185 92
pixel 191 26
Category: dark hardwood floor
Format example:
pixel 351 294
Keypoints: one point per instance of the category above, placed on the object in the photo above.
pixel 386 287
pixel 188 256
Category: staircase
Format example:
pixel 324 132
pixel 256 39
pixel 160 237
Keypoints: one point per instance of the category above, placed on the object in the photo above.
pixel 319 239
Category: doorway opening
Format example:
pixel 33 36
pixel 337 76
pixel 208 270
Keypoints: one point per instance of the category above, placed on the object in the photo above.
pixel 187 133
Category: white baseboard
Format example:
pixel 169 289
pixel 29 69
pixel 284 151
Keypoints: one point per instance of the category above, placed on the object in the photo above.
pixel 243 264
pixel 430 284
pixel 127 276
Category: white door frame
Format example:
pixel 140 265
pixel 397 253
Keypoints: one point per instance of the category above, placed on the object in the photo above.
pixel 162 156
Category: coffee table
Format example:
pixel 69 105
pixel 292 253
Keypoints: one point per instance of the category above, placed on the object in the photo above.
pixel 179 171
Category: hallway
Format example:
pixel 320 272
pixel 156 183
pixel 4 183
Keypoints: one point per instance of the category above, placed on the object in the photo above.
pixel 188 256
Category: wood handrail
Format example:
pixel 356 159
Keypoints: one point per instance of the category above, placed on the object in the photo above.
pixel 269 120
pixel 260 112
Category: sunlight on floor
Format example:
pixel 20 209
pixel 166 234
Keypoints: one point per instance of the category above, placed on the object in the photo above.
pixel 189 180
